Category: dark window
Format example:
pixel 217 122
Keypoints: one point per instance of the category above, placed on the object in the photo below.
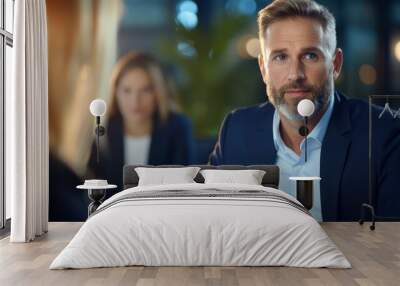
pixel 6 62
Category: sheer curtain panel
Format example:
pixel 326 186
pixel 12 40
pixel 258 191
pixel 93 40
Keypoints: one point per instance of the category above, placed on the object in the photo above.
pixel 27 124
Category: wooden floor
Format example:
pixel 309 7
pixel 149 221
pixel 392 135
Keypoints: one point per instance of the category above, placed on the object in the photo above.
pixel 374 255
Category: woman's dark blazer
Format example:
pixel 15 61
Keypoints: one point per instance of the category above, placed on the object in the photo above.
pixel 171 143
pixel 66 203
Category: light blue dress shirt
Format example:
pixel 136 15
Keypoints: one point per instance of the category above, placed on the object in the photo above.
pixel 290 164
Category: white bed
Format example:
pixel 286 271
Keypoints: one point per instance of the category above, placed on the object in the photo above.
pixel 206 230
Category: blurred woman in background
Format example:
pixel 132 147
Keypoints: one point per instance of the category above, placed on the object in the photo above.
pixel 143 126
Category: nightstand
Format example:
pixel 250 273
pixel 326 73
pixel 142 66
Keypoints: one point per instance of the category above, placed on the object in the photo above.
pixel 96 195
pixel 305 190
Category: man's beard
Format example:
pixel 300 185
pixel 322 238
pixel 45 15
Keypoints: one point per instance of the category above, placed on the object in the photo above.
pixel 319 96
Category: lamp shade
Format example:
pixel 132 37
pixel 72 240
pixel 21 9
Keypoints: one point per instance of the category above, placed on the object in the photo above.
pixel 306 107
pixel 98 107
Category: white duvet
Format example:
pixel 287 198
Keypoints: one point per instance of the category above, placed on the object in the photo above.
pixel 200 231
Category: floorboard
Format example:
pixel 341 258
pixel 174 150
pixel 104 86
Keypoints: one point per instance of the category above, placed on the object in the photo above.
pixel 374 255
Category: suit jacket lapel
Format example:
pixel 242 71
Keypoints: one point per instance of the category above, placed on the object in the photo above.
pixel 262 144
pixel 116 153
pixel 158 145
pixel 334 151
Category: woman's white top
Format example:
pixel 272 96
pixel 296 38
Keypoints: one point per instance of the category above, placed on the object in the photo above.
pixel 136 150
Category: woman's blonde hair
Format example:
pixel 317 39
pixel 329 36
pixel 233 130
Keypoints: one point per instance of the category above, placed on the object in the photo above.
pixel 153 68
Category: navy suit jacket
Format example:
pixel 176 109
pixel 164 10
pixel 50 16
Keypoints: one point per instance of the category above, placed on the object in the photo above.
pixel 171 144
pixel 246 138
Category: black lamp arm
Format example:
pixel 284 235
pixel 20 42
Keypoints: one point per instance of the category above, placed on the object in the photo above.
pixel 99 131
pixel 305 143
pixel 303 131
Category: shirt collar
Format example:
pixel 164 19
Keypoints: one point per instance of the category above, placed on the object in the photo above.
pixel 317 133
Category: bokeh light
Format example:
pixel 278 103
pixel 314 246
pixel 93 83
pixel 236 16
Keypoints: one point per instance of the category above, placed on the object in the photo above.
pixel 187 14
pixel 397 50
pixel 367 74
pixel 253 47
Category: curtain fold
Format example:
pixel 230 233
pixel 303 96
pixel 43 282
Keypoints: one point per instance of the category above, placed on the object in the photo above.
pixel 27 124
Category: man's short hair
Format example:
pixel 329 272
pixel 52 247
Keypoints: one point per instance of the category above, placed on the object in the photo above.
pixel 285 9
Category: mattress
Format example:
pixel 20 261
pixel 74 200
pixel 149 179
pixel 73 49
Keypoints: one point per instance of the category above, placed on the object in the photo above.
pixel 201 225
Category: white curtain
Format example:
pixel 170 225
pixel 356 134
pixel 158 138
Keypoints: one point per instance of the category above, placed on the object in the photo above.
pixel 27 146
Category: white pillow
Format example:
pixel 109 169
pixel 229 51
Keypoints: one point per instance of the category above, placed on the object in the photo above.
pixel 248 177
pixel 163 176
